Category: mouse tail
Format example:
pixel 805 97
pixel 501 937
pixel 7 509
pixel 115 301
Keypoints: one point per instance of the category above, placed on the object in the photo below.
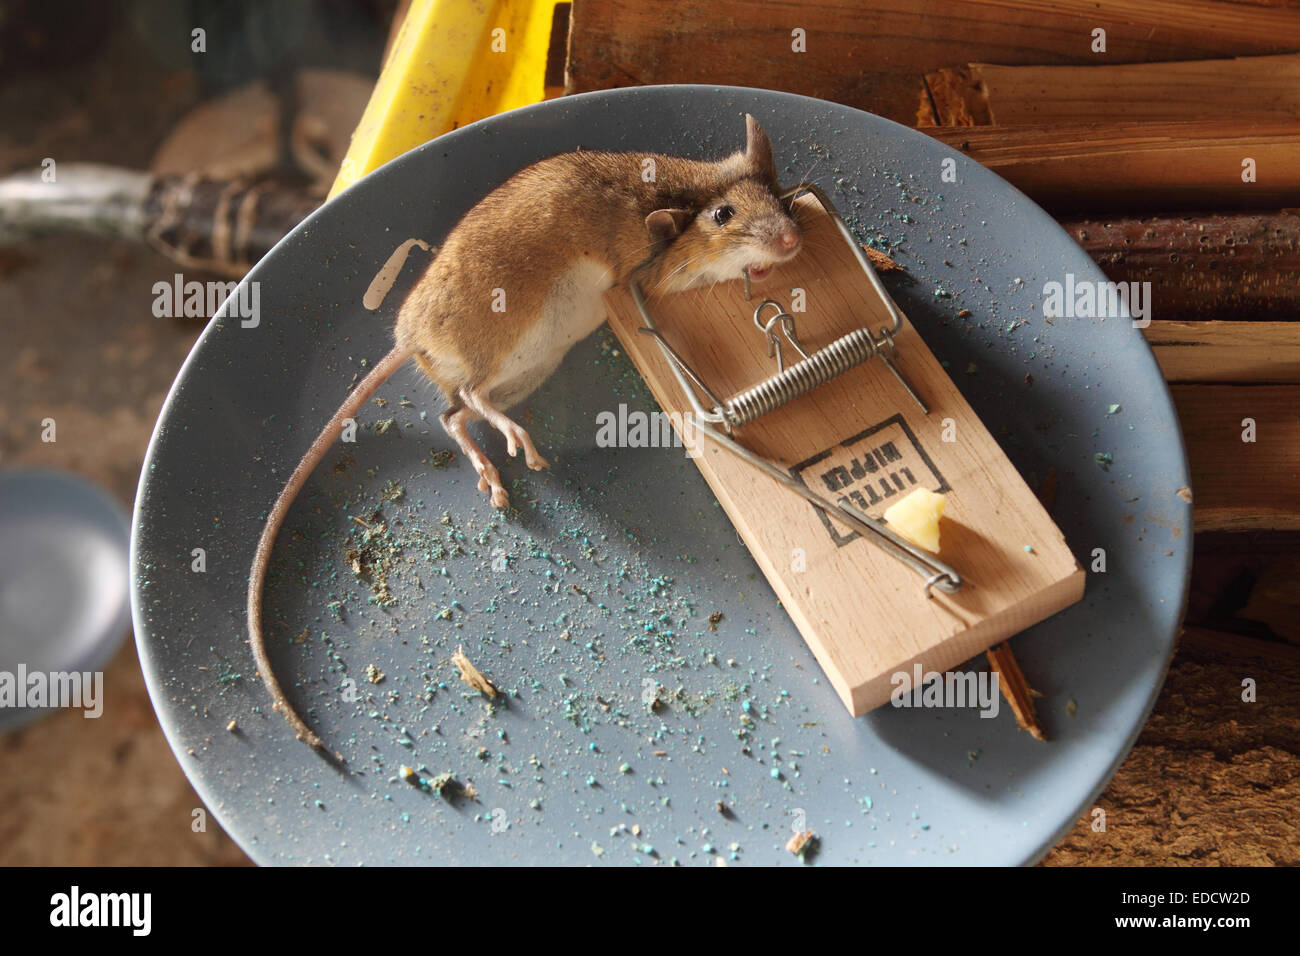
pixel 257 576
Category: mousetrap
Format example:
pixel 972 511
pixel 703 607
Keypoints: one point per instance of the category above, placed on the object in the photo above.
pixel 814 405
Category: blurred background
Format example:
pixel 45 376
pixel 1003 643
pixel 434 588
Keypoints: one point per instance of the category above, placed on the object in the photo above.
pixel 158 145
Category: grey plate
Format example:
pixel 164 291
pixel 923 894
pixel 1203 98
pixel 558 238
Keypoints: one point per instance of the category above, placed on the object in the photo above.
pixel 63 577
pixel 603 585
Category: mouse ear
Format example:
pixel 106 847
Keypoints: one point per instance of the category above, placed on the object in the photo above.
pixel 758 149
pixel 664 225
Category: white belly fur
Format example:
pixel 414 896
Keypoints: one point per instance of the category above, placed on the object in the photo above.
pixel 573 309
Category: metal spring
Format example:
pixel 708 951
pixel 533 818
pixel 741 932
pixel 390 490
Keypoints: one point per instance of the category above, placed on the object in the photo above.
pixel 820 367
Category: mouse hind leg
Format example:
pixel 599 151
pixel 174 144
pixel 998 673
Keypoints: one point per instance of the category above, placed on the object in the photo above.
pixel 454 421
pixel 514 433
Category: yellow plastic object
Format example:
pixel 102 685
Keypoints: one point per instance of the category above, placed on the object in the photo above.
pixel 452 62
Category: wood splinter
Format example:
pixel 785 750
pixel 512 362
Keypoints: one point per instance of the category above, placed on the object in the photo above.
pixel 472 675
pixel 803 842
pixel 1016 689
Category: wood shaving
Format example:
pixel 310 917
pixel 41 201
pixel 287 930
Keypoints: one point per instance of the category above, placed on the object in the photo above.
pixel 880 261
pixel 472 675
pixel 801 842
pixel 1016 689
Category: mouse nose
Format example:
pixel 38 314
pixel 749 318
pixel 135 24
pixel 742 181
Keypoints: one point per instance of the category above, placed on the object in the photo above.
pixel 788 239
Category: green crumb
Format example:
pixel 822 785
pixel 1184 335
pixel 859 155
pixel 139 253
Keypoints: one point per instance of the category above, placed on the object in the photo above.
pixel 374 674
pixel 1112 409
pixel 393 491
pixel 441 459
pixel 1029 549
pixel 447 786
pixel 625 768
pixel 384 424
pixel 1104 459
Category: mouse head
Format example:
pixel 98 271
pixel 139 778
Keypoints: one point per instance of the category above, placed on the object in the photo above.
pixel 734 223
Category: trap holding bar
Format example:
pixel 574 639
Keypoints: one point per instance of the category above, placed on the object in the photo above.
pixel 790 382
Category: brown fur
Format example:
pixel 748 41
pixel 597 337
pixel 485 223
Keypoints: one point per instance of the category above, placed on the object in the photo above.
pixel 581 205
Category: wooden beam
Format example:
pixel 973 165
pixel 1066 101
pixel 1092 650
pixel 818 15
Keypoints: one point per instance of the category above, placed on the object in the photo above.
pixel 1240 485
pixel 874 55
pixel 1243 89
pixel 1132 166
pixel 1240 352
pixel 1208 265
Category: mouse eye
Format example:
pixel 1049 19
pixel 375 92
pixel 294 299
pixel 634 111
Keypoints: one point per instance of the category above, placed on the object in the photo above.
pixel 722 215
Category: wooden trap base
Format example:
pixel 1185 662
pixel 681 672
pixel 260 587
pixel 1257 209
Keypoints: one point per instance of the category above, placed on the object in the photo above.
pixel 861 611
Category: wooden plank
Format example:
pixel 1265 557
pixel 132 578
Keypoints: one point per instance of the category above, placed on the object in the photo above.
pixel 1130 166
pixel 1255 352
pixel 859 436
pixel 1242 89
pixel 1240 485
pixel 873 55
pixel 1211 265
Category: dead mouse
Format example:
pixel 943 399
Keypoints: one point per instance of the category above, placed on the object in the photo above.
pixel 520 280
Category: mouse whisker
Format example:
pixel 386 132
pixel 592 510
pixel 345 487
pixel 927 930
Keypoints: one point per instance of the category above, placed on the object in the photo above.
pixel 806 177
pixel 694 258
